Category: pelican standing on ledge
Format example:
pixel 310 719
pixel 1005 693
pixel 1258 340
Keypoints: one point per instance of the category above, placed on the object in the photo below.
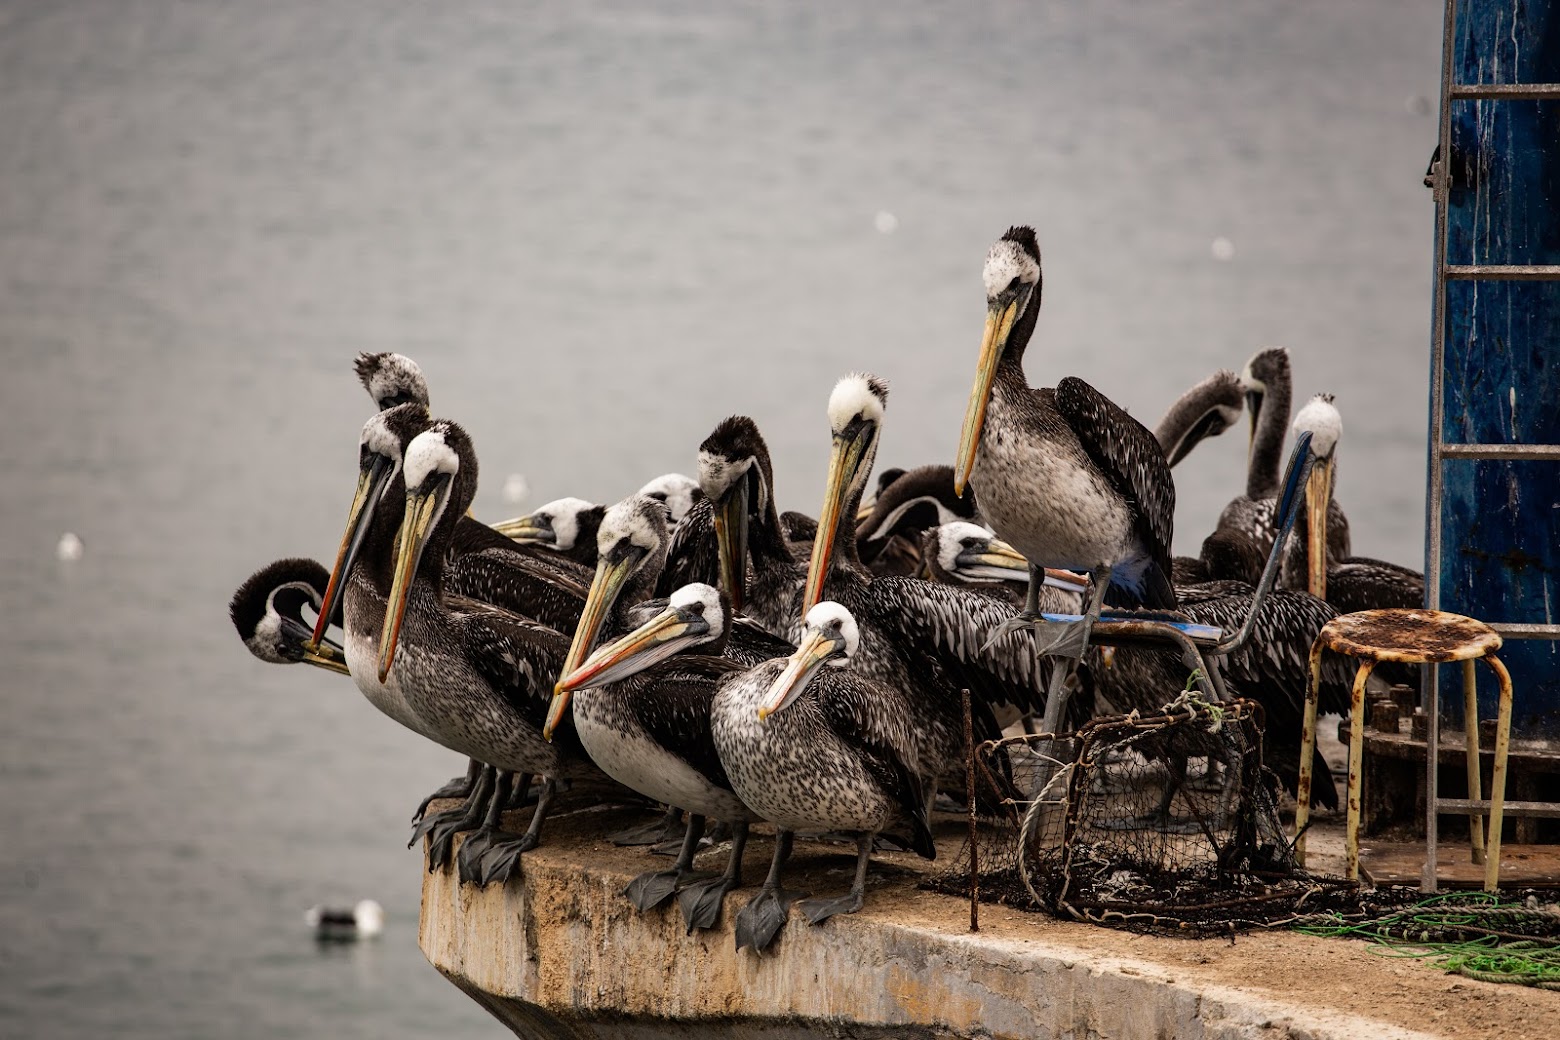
pixel 1065 476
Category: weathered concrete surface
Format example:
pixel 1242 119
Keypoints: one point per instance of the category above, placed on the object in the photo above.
pixel 562 954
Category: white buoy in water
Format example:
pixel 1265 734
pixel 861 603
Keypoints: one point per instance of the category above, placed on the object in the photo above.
pixel 363 921
pixel 69 548
pixel 515 489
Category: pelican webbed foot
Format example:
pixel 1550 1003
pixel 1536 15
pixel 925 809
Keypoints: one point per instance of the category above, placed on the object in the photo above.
pixel 667 827
pixel 441 828
pixel 761 920
pixel 818 911
pixel 652 888
pixel 459 787
pixel 701 901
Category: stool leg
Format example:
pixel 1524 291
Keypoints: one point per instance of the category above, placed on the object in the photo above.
pixel 1307 753
pixel 1498 776
pixel 1471 732
pixel 1351 846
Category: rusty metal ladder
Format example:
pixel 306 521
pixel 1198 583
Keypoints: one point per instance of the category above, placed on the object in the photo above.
pixel 1441 452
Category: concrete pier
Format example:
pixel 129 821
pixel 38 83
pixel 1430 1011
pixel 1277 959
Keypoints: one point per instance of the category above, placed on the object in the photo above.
pixel 561 954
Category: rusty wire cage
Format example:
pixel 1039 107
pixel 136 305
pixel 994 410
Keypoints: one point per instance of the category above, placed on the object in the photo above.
pixel 1164 823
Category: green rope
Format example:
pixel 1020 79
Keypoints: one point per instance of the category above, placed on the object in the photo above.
pixel 1476 935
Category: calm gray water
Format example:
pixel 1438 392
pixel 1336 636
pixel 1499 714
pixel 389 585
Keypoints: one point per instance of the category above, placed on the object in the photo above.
pixel 599 231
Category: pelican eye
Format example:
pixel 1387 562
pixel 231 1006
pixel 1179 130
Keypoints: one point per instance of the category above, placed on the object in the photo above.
pixel 696 608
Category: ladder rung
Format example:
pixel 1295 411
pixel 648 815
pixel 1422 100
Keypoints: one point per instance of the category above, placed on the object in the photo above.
pixel 1447 806
pixel 1505 91
pixel 1517 452
pixel 1504 272
pixel 1515 631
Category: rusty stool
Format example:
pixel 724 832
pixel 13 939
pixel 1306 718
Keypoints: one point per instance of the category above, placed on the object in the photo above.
pixel 1409 637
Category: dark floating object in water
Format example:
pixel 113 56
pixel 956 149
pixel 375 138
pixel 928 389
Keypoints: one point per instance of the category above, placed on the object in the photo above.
pixel 364 921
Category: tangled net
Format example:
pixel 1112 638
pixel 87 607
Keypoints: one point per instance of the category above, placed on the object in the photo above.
pixel 1113 825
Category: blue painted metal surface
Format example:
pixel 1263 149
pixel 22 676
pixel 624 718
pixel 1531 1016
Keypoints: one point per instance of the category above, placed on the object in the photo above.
pixel 1500 557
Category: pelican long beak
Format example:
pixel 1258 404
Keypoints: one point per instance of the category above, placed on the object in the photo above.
pixel 372 479
pixel 1001 313
pixel 999 561
pixel 1318 493
pixel 527 530
pixel 849 459
pixel 657 639
pixel 326 658
pixel 731 533
pixel 612 574
pixel 816 649
pixel 422 509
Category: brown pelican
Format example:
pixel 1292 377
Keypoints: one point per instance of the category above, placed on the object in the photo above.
pixel 484 565
pixel 1206 410
pixel 888 536
pixel 566 525
pixel 642 710
pixel 476 676
pixel 1065 476
pixel 268 609
pixel 810 745
pixel 1251 516
pixel 1349 583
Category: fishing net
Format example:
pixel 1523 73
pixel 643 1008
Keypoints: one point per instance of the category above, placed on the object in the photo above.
pixel 1165 823
pixel 1476 934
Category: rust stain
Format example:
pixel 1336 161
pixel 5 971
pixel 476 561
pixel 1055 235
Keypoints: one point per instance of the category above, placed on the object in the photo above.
pixel 1412 636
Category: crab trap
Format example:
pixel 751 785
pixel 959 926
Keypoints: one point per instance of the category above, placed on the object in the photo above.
pixel 1165 823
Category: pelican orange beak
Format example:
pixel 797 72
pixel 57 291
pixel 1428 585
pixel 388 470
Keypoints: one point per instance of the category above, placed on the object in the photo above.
pixel 527 530
pixel 815 651
pixel 1318 493
pixel 657 639
pixel 849 460
pixel 612 573
pixel 373 477
pixel 1001 312
pixel 423 508
pixel 731 533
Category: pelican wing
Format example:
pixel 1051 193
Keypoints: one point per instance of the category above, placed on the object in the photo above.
pixel 1129 457
pixel 866 716
pixel 954 624
pixel 693 554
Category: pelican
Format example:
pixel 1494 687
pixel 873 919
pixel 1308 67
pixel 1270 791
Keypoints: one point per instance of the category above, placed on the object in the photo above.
pixel 888 536
pixel 475 675
pixel 567 526
pixel 391 379
pixel 1350 583
pixel 1065 476
pixel 966 554
pixel 915 635
pixel 1206 410
pixel 642 710
pixel 267 610
pixel 885 480
pixel 484 566
pixel 1251 516
pixel 678 492
pixel 810 745
pixel 738 483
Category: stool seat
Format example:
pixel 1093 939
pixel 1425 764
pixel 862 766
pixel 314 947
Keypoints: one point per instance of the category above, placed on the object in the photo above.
pixel 1409 636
